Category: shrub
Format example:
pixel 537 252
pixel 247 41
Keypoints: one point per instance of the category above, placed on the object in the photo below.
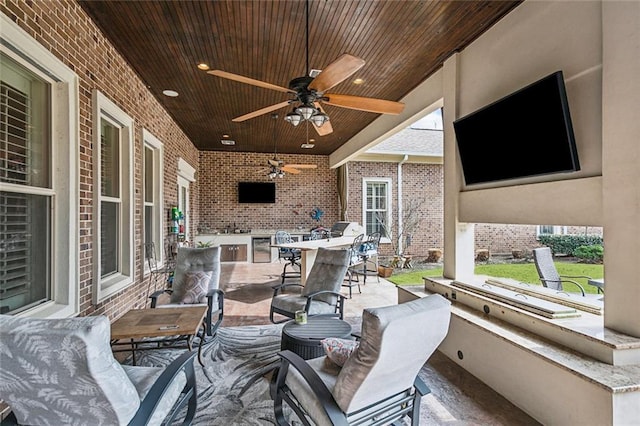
pixel 593 253
pixel 567 244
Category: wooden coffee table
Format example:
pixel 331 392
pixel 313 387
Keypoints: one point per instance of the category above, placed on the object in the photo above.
pixel 158 328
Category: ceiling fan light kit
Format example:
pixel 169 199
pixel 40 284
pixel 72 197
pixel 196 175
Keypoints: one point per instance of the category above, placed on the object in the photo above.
pixel 293 118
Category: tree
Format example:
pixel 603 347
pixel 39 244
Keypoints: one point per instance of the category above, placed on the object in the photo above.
pixel 411 219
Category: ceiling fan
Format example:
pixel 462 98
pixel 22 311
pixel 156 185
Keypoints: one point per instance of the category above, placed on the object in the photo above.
pixel 309 92
pixel 278 168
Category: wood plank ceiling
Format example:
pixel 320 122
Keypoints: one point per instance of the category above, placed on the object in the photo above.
pixel 402 42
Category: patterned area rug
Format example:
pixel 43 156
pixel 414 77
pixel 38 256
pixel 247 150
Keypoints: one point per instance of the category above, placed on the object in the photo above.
pixel 233 387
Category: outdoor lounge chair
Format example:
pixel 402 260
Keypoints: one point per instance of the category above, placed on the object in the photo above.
pixel 378 384
pixel 62 372
pixel 321 293
pixel 196 280
pixel 548 273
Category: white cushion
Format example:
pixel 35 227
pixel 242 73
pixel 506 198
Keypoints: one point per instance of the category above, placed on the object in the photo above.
pixel 396 342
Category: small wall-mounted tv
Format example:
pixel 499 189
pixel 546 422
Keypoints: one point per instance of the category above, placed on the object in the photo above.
pixel 527 133
pixel 256 192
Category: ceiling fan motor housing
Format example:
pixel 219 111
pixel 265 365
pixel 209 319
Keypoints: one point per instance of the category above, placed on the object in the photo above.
pixel 303 94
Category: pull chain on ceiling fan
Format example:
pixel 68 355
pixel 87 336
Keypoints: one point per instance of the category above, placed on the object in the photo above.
pixel 308 93
pixel 275 164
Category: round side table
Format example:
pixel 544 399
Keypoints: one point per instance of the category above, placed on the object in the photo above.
pixel 304 339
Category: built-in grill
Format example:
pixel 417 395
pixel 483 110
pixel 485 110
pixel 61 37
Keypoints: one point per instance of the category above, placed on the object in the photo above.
pixel 345 229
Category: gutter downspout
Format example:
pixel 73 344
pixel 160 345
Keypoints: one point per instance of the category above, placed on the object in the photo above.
pixel 400 211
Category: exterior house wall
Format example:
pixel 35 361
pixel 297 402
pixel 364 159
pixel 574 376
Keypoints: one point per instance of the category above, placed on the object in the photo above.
pixel 296 195
pixel 425 182
pixel 67 32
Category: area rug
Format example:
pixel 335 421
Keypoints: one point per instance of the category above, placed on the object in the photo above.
pixel 233 387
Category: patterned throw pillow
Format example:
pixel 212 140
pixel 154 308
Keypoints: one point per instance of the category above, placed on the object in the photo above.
pixel 194 290
pixel 339 350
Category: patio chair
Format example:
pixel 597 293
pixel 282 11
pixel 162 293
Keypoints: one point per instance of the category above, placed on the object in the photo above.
pixel 369 254
pixel 291 256
pixel 195 281
pixel 158 274
pixel 378 383
pixel 548 273
pixel 321 293
pixel 62 371
pixel 355 263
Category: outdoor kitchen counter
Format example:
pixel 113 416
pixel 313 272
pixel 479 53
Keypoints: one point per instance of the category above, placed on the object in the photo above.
pixel 243 239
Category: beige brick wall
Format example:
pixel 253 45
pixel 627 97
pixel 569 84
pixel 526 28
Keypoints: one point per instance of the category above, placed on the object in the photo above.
pixel 419 182
pixel 425 182
pixel 296 195
pixel 63 28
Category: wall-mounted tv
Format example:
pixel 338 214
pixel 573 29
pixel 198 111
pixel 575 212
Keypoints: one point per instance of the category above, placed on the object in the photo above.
pixel 256 192
pixel 527 133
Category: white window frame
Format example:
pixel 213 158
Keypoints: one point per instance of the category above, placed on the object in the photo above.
pixel 389 216
pixel 557 230
pixel 124 277
pixel 64 188
pixel 149 141
pixel 186 175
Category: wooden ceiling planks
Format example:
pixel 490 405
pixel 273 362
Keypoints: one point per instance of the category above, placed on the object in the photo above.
pixel 402 42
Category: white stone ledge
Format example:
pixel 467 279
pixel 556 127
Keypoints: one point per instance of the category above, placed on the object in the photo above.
pixel 613 378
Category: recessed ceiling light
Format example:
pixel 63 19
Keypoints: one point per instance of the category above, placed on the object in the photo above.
pixel 227 142
pixel 358 81
pixel 307 145
pixel 312 140
pixel 225 136
pixel 170 93
pixel 314 73
pixel 203 66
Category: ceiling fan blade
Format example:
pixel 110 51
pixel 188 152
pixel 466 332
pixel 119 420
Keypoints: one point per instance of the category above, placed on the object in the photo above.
pixel 379 106
pixel 303 166
pixel 325 129
pixel 336 72
pixel 261 111
pixel 247 80
pixel 287 169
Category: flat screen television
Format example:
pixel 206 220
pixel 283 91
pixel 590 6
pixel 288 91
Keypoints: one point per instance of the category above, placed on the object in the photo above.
pixel 527 133
pixel 256 192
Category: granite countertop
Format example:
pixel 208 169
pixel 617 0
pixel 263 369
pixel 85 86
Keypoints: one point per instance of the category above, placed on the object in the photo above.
pixel 251 232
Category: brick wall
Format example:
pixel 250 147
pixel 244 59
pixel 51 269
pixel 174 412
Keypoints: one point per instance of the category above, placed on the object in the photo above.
pixel 425 182
pixel 502 239
pixel 63 28
pixel 296 195
pixel 422 182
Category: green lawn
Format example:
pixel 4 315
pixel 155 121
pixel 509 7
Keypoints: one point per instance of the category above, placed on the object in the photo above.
pixel 524 272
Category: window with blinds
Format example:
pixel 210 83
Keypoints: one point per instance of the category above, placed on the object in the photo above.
pixel 25 195
pixel 376 204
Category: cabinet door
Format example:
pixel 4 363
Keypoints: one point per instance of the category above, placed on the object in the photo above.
pixel 241 253
pixel 227 252
pixel 233 252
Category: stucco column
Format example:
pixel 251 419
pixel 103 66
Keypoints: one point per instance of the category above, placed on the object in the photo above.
pixel 458 256
pixel 621 163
